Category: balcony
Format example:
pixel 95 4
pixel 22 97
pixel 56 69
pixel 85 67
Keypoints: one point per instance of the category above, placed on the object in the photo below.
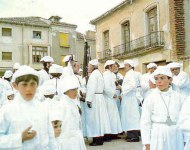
pixel 105 55
pixel 142 45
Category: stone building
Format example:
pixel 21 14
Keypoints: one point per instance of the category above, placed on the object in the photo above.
pixel 27 39
pixel 64 39
pixel 141 29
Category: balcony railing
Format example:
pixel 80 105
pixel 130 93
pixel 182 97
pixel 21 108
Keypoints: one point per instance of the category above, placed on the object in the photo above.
pixel 150 41
pixel 105 55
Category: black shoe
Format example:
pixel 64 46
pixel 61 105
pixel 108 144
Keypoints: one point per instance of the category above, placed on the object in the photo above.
pixel 95 144
pixel 117 137
pixel 133 140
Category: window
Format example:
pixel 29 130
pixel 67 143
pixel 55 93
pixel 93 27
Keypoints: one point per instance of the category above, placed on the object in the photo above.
pixel 126 36
pixel 37 34
pixel 6 55
pixel 38 53
pixel 64 39
pixel 6 32
pixel 152 20
pixel 106 40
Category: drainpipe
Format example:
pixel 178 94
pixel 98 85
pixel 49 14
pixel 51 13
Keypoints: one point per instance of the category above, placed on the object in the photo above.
pixel 22 60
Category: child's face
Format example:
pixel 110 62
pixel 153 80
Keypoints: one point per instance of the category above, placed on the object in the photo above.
pixel 27 89
pixel 127 67
pixel 57 128
pixel 72 93
pixel 162 82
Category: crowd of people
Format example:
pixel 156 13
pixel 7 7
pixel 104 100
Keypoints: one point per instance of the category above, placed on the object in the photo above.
pixel 56 108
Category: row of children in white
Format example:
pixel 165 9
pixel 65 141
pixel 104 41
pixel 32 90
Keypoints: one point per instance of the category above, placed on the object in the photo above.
pixel 27 124
pixel 160 121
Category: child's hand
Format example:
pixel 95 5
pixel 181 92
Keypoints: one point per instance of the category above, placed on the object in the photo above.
pixel 147 147
pixel 26 135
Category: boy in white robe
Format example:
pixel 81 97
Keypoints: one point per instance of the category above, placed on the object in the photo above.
pixel 180 79
pixel 48 92
pixel 97 119
pixel 55 118
pixel 184 122
pixel 145 77
pixel 110 96
pixel 71 136
pixel 24 123
pixel 130 114
pixel 44 73
pixel 160 113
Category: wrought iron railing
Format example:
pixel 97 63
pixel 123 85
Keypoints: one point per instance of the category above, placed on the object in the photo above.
pixel 104 55
pixel 149 41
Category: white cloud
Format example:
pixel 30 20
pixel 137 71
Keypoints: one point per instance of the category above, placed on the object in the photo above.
pixel 78 12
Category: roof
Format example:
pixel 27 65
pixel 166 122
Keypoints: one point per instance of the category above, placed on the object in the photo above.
pixel 33 21
pixel 81 36
pixel 63 24
pixel 122 4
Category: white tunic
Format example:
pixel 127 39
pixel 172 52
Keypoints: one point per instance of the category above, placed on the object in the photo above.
pixel 139 91
pixel 71 135
pixel 182 81
pixel 97 120
pixel 184 121
pixel 56 82
pixel 130 115
pixel 44 76
pixel 154 130
pixel 19 115
pixel 144 82
pixel 109 91
pixel 117 77
pixel 83 108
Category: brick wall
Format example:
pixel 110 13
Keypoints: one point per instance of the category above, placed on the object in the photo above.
pixel 177 27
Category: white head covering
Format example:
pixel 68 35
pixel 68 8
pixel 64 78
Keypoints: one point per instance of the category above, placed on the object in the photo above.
pixel 48 89
pixel 55 115
pixel 56 69
pixel 70 82
pixel 109 62
pixel 47 59
pixel 150 65
pixel 129 61
pixel 16 65
pixel 8 74
pixel 66 58
pixel 151 78
pixel 163 70
pixel 80 70
pixel 93 62
pixel 24 70
pixel 174 65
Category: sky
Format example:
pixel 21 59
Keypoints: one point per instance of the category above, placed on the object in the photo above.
pixel 79 12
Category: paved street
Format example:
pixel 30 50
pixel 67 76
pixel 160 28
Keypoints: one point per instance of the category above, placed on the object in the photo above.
pixel 120 144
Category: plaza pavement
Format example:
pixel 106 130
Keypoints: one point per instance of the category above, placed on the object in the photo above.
pixel 119 144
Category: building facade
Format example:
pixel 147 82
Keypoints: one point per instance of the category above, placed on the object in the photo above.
pixel 23 40
pixel 136 29
pixel 27 39
pixel 64 39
